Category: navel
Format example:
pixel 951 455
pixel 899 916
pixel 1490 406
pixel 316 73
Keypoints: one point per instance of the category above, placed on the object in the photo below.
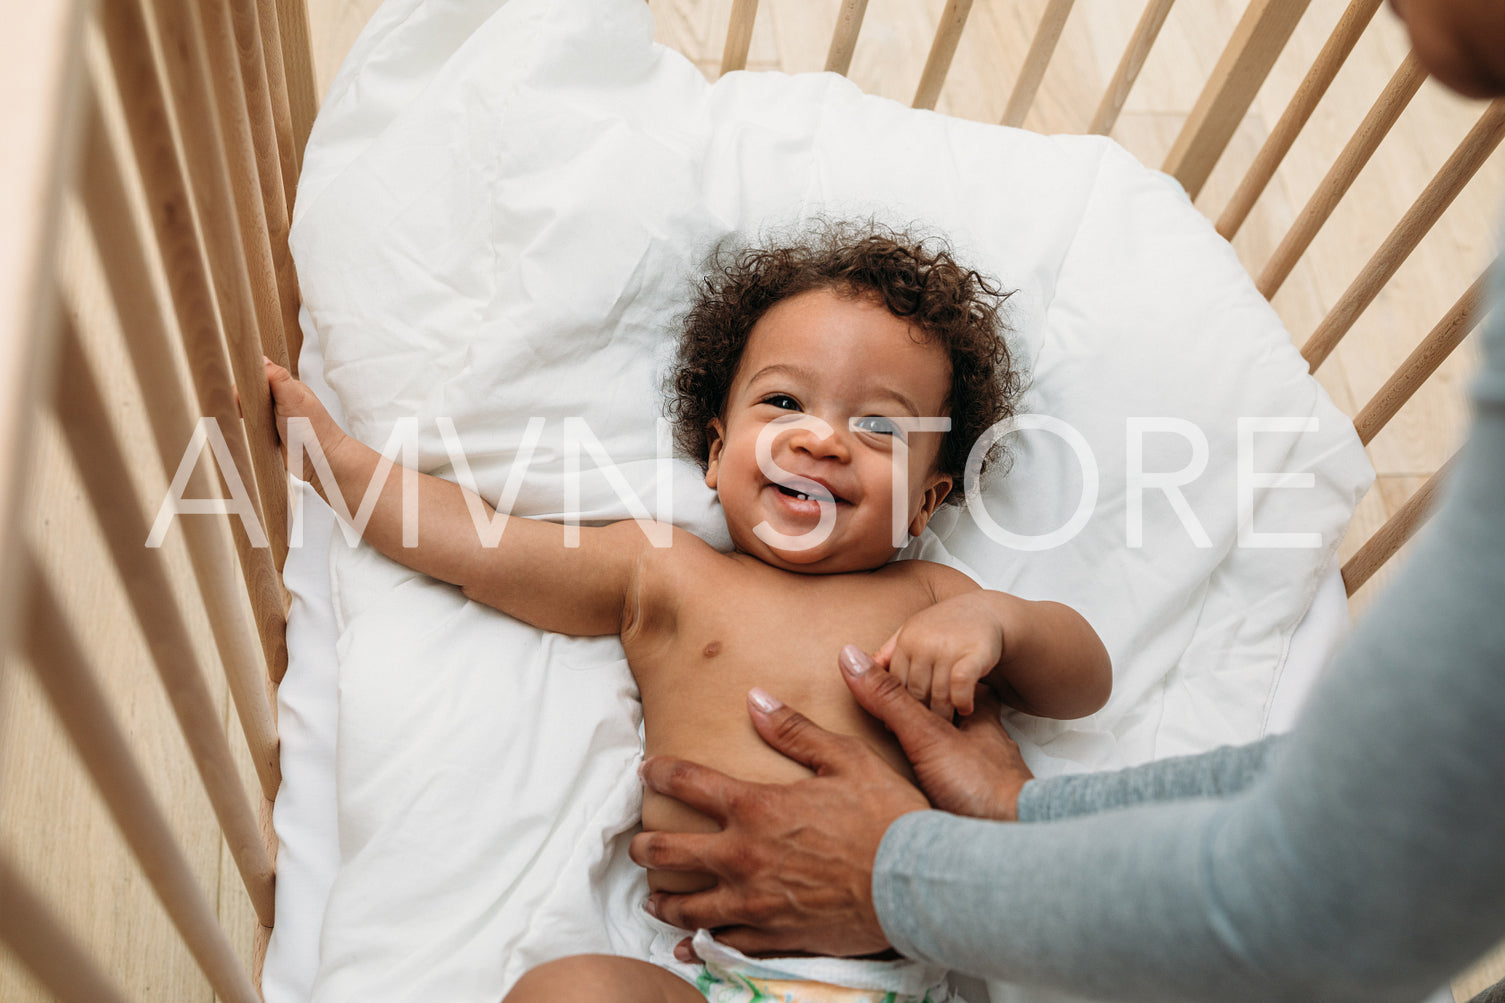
pixel 712 650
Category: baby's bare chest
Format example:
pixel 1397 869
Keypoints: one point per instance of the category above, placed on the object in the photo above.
pixel 735 628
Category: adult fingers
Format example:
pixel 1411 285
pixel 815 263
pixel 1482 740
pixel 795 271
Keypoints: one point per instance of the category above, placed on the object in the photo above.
pixel 795 735
pixel 672 851
pixel 753 942
pixel 698 910
pixel 887 699
pixel 702 788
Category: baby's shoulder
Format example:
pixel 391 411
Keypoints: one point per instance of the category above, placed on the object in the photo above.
pixel 666 574
pixel 941 580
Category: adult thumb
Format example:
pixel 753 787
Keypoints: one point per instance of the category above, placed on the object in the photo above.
pixel 882 695
pixel 793 734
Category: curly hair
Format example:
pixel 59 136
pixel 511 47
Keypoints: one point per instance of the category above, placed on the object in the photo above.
pixel 916 278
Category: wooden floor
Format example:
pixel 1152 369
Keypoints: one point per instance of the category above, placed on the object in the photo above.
pixel 53 822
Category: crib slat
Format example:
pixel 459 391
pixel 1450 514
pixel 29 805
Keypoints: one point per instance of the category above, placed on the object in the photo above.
pixel 247 111
pixel 844 38
pixel 1135 54
pixel 1257 41
pixel 47 950
pixel 1313 86
pixel 282 115
pixel 223 173
pixel 162 176
pixel 1429 205
pixel 1399 528
pixel 1041 48
pixel 1439 343
pixel 239 259
pixel 123 252
pixel 95 445
pixel 739 35
pixel 298 67
pixel 263 935
pixel 69 682
pixel 1403 85
pixel 39 57
pixel 140 77
pixel 942 50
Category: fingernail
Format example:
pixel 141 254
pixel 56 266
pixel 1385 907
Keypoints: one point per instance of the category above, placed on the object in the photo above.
pixel 854 661
pixel 763 700
pixel 651 907
pixel 682 952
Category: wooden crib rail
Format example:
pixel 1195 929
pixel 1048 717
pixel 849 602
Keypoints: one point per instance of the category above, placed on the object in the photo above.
pixel 1425 211
pixel 1129 66
pixel 146 222
pixel 1318 79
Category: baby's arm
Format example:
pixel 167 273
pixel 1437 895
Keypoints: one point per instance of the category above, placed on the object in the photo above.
pixel 1039 657
pixel 530 574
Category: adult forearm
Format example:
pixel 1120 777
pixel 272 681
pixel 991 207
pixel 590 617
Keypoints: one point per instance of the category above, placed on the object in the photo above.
pixel 1218 773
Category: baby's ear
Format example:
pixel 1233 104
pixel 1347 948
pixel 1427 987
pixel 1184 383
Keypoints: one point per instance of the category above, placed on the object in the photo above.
pixel 715 440
pixel 936 492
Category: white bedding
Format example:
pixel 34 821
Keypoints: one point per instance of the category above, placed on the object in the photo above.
pixel 308 855
pixel 500 208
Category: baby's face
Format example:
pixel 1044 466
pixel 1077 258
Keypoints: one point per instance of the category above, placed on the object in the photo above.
pixel 818 389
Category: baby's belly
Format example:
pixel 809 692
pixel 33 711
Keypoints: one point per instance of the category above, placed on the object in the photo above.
pixel 724 739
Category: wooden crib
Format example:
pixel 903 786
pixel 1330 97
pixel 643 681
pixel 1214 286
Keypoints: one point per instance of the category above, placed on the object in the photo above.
pixel 152 151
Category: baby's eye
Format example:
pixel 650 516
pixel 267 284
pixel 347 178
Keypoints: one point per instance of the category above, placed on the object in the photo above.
pixel 877 425
pixel 783 401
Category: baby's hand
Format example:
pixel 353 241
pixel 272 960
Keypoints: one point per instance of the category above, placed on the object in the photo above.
pixel 293 399
pixel 941 653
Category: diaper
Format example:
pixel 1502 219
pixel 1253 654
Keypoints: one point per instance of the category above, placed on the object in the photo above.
pixel 726 975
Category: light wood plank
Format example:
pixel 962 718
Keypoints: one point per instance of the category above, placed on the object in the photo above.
pixel 1129 66
pixel 1313 86
pixel 41 68
pixel 80 704
pixel 1042 47
pixel 1246 61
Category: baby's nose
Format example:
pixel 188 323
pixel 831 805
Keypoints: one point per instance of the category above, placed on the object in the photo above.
pixel 821 439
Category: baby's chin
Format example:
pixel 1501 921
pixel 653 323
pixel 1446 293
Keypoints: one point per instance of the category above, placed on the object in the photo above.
pixel 817 560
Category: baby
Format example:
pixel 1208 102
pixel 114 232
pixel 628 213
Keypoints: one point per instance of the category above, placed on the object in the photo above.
pixel 804 371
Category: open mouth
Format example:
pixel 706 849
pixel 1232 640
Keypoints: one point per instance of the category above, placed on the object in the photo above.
pixel 813 493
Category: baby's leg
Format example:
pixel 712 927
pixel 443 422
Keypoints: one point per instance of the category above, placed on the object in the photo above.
pixel 601 978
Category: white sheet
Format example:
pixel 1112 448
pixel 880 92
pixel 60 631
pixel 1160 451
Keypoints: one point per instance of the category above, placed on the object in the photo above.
pixel 485 771
pixel 308 850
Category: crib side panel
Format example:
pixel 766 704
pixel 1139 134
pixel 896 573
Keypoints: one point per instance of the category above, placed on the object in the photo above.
pixel 144 260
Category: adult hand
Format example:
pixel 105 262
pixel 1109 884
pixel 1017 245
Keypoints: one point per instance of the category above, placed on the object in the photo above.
pixel 794 862
pixel 973 768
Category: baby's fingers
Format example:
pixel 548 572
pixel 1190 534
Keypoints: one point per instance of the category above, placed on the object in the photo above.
pixel 940 696
pixel 884 655
pixel 965 675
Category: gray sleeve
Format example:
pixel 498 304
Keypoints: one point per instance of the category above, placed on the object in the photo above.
pixel 1213 774
pixel 1364 863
